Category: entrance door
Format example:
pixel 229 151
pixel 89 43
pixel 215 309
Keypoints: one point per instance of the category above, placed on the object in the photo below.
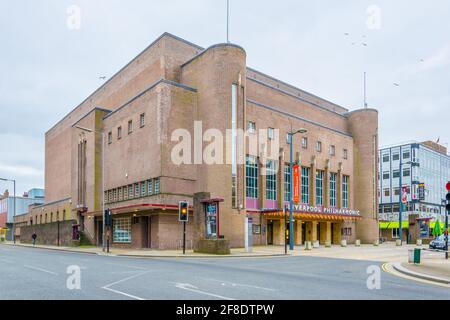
pixel 303 232
pixel 270 233
pixel 100 233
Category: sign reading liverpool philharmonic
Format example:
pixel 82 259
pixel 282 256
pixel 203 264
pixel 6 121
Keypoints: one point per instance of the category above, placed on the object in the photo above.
pixel 310 209
pixel 296 169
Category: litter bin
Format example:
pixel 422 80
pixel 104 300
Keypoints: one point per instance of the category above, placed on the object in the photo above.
pixel 414 256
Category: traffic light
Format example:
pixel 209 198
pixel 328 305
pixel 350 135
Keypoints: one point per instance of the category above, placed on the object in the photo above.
pixel 108 218
pixel 183 211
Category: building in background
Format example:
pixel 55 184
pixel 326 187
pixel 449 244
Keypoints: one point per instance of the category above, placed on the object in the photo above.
pixel 425 172
pixel 173 84
pixel 34 196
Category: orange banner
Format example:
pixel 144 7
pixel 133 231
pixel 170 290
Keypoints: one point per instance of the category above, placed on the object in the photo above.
pixel 296 186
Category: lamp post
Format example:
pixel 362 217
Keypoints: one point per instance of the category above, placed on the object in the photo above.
pixel 400 208
pixel 291 199
pixel 103 178
pixel 14 214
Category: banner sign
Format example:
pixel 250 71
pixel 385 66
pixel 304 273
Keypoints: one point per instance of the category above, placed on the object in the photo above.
pixel 310 209
pixel 296 186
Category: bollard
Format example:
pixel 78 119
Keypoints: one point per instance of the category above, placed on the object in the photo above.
pixel 343 243
pixel 419 242
pixel 316 245
pixel 376 243
pixel 358 243
pixel 398 243
pixel 327 244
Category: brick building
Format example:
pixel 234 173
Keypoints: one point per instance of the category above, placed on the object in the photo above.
pixel 174 84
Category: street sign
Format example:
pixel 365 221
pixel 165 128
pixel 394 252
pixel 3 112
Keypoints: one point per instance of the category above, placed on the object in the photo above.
pixel 296 197
pixel 404 195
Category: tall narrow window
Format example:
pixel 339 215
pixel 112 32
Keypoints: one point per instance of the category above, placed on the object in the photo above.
pixel 82 172
pixel 333 198
pixel 150 186
pixel 143 189
pixel 157 186
pixel 130 192
pixel 130 127
pixel 234 101
pixel 142 120
pixel 137 191
pixel 304 142
pixel 319 187
pixel 319 146
pixel 251 170
pixel 271 180
pixel 270 134
pixel 287 182
pixel 109 137
pixel 305 185
pixel 345 190
pixel 119 133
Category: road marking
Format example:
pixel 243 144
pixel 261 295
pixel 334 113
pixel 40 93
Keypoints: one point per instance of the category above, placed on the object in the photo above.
pixel 107 287
pixel 192 288
pixel 126 266
pixel 224 283
pixel 387 267
pixel 40 269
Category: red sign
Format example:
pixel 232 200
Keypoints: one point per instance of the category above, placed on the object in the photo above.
pixel 448 186
pixel 296 188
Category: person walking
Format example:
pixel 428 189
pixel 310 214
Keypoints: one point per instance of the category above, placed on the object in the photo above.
pixel 34 237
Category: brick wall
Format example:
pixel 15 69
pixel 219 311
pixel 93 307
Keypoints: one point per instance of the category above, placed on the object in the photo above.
pixel 47 234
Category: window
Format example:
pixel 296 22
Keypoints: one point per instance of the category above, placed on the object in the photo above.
pixel 332 150
pixel 386 175
pixel 143 189
pixel 346 231
pixel 150 186
pixel 345 154
pixel 271 180
pixel 319 146
pixel 122 230
pixel 137 191
pixel 406 172
pixel 157 187
pixel 304 142
pixel 305 185
pixel 287 182
pixel 319 187
pixel 396 191
pixel 109 137
pixel 120 194
pixel 396 157
pixel 333 190
pixel 386 158
pixel 251 172
pixel 130 192
pixel 395 233
pixel 142 120
pixel 130 127
pixel 119 133
pixel 387 192
pixel 406 154
pixel 251 127
pixel 114 195
pixel 396 174
pixel 270 133
pixel 288 138
pixel 345 191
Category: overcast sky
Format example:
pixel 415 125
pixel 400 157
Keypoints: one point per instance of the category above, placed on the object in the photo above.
pixel 48 65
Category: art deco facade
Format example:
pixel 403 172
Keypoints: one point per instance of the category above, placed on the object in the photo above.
pixel 174 84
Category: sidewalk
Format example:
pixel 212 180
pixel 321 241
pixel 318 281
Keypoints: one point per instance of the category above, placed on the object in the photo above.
pixel 235 253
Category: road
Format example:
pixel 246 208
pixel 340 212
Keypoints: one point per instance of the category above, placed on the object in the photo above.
pixel 29 273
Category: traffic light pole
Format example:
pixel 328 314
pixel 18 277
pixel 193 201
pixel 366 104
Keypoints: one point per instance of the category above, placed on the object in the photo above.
pixel 400 208
pixel 446 231
pixel 184 237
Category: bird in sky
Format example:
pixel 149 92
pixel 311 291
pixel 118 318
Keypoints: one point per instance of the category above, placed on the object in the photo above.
pixel 102 77
pixel 396 84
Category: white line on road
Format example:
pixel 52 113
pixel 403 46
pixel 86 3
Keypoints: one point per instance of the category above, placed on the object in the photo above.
pixel 190 287
pixel 126 266
pixel 108 286
pixel 237 284
pixel 40 269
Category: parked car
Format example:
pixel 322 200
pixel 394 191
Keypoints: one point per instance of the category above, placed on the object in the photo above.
pixel 438 243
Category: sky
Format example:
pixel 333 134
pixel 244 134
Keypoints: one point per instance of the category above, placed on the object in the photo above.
pixel 53 53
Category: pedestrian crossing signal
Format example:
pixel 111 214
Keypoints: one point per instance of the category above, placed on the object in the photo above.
pixel 183 211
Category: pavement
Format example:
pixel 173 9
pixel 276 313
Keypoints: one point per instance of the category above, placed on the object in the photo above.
pixel 36 273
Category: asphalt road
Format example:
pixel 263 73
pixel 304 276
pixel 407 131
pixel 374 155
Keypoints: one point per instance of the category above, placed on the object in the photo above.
pixel 28 273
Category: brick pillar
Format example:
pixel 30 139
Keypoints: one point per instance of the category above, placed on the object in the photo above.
pixel 326 185
pixel 199 217
pixel 262 186
pixel 337 232
pixel 298 233
pixel 339 187
pixel 280 182
pixel 325 232
pixel 314 231
pixel 278 232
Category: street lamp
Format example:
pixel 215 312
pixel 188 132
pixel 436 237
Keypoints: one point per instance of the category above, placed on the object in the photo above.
pixel 291 166
pixel 400 208
pixel 14 216
pixel 103 177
